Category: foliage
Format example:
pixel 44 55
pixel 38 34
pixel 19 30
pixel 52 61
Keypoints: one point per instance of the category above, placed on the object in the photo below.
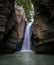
pixel 26 5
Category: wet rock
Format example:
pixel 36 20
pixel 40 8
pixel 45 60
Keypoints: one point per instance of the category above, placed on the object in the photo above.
pixel 21 24
pixel 44 25
pixel 8 27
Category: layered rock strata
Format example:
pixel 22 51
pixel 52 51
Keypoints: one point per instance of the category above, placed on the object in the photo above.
pixel 44 26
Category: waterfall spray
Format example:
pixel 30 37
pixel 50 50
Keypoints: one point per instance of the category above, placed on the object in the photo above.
pixel 26 47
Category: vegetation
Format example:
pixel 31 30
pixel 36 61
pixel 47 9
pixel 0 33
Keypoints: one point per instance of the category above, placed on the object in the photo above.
pixel 26 5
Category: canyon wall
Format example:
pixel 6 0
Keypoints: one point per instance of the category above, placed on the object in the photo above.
pixel 43 26
pixel 21 18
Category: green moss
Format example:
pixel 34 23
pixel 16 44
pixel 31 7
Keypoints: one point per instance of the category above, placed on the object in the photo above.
pixel 26 5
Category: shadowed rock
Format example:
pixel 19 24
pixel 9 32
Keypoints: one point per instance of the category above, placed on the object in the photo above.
pixel 44 25
pixel 8 26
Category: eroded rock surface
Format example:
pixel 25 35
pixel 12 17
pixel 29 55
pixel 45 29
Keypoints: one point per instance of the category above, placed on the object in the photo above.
pixel 44 25
pixel 21 24
pixel 8 26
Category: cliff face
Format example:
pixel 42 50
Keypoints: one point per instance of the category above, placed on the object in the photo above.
pixel 8 26
pixel 44 25
pixel 21 24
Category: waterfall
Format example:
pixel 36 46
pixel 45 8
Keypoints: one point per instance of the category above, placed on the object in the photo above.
pixel 26 47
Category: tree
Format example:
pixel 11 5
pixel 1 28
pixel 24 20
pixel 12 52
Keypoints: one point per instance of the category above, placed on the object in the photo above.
pixel 26 5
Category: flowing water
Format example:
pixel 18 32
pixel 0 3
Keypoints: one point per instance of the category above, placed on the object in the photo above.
pixel 26 47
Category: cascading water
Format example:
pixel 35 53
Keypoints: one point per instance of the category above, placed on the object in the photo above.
pixel 26 47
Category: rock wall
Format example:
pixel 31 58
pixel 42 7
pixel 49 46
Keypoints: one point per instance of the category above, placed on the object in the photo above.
pixel 8 26
pixel 44 25
pixel 21 24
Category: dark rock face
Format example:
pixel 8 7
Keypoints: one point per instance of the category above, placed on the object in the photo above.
pixel 44 25
pixel 8 26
